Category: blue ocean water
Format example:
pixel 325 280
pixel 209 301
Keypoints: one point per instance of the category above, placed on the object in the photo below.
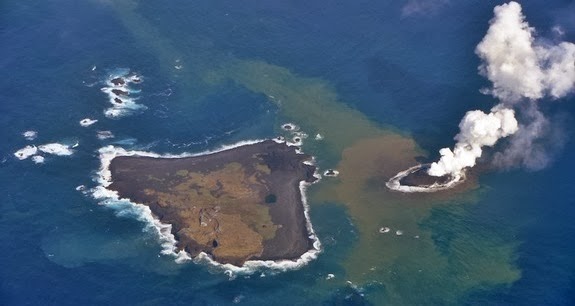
pixel 416 72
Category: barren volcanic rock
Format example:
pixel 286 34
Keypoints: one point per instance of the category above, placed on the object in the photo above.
pixel 421 178
pixel 120 92
pixel 239 204
pixel 118 81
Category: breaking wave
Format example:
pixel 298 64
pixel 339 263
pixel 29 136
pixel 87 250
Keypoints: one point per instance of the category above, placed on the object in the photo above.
pixel 103 135
pixel 87 122
pixel 49 148
pixel 26 152
pixel 38 159
pixel 57 149
pixel 30 135
pixel 121 94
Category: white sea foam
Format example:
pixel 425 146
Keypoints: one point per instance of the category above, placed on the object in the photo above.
pixel 384 230
pixel 168 242
pixel 142 213
pixel 122 104
pixel 84 190
pixel 318 136
pixel 395 182
pixel 26 152
pixel 297 139
pixel 331 172
pixel 289 127
pixel 103 135
pixel 87 122
pixel 127 107
pixel 30 135
pixel 113 113
pixel 297 135
pixel 134 78
pixel 56 149
pixel 38 159
pixel 252 266
pixel 238 299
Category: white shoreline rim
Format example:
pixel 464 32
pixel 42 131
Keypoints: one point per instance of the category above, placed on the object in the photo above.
pixel 165 236
pixel 394 183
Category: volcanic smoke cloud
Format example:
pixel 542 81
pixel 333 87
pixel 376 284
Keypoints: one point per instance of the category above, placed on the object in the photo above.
pixel 522 71
pixel 477 129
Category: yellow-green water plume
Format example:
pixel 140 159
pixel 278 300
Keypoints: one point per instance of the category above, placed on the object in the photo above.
pixel 366 155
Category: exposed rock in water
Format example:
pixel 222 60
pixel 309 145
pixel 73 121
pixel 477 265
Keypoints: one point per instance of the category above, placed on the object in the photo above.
pixel 118 81
pixel 120 92
pixel 421 178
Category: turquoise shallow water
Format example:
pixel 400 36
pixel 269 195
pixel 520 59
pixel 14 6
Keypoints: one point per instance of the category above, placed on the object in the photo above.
pixel 417 73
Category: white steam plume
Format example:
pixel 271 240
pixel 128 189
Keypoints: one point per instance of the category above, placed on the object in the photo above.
pixel 517 65
pixel 560 73
pixel 521 71
pixel 532 147
pixel 477 129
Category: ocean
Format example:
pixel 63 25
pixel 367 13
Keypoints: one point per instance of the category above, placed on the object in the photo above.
pixel 385 83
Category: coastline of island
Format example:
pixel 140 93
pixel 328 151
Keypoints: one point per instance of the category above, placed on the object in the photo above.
pixel 275 253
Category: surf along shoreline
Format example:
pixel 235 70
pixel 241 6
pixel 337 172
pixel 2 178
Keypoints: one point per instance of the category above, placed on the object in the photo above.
pixel 165 231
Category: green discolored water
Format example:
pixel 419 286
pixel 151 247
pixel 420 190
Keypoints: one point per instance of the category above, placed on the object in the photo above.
pixel 429 250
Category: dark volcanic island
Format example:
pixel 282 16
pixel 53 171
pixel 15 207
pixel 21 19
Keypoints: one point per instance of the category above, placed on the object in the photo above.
pixel 235 205
pixel 421 178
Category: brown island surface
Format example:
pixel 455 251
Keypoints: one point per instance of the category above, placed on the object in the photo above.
pixel 235 205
